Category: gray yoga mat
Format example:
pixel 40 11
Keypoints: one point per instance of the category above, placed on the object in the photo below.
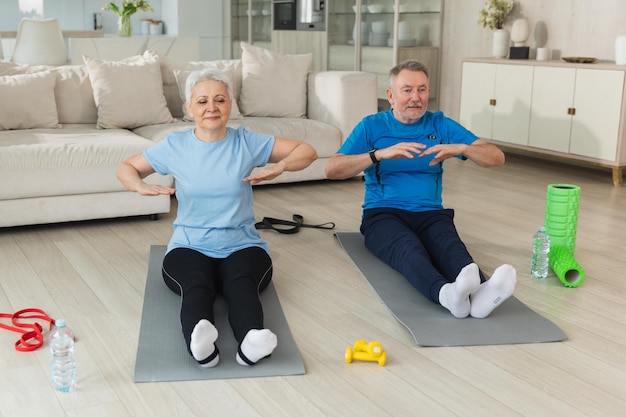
pixel 432 325
pixel 162 354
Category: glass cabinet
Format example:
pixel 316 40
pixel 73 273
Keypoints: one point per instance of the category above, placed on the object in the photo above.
pixel 251 21
pixel 374 35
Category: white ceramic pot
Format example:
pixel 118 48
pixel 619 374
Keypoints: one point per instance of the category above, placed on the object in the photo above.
pixel 543 54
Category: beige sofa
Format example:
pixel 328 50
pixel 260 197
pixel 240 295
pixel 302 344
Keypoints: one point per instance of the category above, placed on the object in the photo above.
pixel 64 130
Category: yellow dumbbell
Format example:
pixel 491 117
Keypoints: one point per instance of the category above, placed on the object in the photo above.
pixel 363 351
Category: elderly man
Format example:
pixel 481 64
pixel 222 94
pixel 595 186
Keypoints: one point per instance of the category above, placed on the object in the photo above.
pixel 401 152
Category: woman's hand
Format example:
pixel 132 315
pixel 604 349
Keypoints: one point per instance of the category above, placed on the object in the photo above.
pixel 153 189
pixel 132 172
pixel 287 155
pixel 266 173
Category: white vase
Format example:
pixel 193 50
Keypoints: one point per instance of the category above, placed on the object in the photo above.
pixel 500 46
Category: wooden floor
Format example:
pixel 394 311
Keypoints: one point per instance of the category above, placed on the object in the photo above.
pixel 93 274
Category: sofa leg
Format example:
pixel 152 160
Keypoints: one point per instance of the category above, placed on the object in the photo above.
pixel 153 217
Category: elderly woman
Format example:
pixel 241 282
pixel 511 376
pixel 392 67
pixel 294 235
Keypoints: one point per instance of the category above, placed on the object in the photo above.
pixel 215 247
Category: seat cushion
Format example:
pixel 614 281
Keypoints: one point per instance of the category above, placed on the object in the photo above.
pixel 76 159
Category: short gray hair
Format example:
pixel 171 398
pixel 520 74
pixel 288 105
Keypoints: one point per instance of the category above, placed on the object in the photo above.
pixel 207 74
pixel 410 65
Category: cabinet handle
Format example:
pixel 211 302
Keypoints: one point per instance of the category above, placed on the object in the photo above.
pixel 492 102
pixel 571 111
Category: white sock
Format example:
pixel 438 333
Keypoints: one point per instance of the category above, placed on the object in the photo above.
pixel 493 291
pixel 202 344
pixel 455 295
pixel 257 345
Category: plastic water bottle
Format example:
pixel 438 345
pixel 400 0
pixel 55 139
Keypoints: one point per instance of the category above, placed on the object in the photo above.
pixel 541 247
pixel 63 367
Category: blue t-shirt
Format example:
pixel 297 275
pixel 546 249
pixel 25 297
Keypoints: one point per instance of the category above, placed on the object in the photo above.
pixel 407 184
pixel 215 214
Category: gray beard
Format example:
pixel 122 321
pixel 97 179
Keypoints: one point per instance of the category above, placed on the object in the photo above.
pixel 404 116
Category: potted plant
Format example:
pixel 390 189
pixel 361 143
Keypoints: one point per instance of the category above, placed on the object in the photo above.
pixel 492 16
pixel 124 12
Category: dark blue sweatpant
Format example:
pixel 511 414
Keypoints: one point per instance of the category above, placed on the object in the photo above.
pixel 423 246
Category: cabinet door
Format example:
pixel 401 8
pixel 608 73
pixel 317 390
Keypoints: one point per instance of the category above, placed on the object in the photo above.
pixel 250 22
pixel 595 126
pixel 477 90
pixel 553 95
pixel 511 113
pixel 380 36
pixel 296 42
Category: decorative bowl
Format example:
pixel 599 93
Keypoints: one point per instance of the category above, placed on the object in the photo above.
pixel 579 59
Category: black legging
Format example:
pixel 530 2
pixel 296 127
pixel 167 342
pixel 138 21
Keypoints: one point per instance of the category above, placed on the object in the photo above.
pixel 199 278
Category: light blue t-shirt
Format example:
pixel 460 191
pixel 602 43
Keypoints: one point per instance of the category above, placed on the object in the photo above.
pixel 215 214
pixel 407 184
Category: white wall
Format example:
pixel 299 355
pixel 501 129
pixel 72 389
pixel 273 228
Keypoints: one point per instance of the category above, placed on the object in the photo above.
pixel 207 19
pixel 574 28
pixel 74 14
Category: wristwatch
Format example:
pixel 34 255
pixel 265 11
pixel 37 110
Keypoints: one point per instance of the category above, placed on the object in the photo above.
pixel 372 154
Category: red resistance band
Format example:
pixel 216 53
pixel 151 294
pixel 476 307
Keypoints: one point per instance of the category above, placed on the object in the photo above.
pixel 32 333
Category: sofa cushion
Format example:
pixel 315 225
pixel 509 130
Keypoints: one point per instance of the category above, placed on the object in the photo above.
pixel 28 101
pixel 77 159
pixel 128 93
pixel 273 85
pixel 11 68
pixel 175 91
pixel 74 95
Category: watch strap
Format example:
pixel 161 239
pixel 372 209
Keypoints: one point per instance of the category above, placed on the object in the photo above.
pixel 372 154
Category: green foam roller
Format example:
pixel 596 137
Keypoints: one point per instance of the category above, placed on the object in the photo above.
pixel 561 216
pixel 565 266
pixel 563 190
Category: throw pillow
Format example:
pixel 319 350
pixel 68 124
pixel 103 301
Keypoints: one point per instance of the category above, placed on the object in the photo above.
pixel 28 101
pixel 273 85
pixel 74 95
pixel 128 93
pixel 181 80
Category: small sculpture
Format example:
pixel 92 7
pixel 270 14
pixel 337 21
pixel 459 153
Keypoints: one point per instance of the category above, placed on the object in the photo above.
pixel 520 32
pixel 519 35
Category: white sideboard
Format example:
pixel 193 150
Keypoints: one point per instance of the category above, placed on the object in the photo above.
pixel 554 109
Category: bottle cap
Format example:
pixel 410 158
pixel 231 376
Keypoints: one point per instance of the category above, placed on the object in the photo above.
pixel 59 322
